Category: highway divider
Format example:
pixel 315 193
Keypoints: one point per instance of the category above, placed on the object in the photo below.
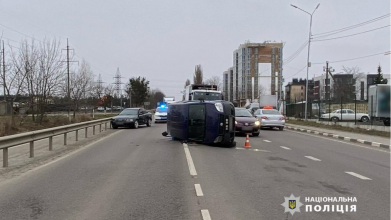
pixel 32 136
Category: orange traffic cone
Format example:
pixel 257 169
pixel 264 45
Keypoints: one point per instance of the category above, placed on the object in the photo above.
pixel 247 143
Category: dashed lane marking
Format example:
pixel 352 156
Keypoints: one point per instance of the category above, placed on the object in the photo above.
pixel 205 214
pixel 358 175
pixel 267 141
pixel 313 158
pixel 286 148
pixel 198 190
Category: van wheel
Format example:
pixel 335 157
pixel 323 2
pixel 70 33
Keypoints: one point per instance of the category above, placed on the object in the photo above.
pixel 149 122
pixel 281 128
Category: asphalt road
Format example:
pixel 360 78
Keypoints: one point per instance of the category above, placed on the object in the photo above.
pixel 139 174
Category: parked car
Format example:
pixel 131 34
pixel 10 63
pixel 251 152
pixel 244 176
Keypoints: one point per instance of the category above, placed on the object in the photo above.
pixel 161 114
pixel 345 115
pixel 245 122
pixel 132 117
pixel 270 118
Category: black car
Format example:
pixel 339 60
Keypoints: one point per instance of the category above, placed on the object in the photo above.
pixel 132 117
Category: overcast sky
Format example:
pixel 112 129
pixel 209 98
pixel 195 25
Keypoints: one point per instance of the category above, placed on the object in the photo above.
pixel 164 40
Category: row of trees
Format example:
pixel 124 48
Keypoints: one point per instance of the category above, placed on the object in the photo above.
pixel 37 71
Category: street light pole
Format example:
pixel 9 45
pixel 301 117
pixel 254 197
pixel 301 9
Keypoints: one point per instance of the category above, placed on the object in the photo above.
pixel 308 56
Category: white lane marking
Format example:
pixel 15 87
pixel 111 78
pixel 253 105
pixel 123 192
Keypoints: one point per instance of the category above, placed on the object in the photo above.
pixel 205 214
pixel 198 190
pixel 286 148
pixel 267 141
pixel 358 175
pixel 341 141
pixel 192 169
pixel 313 158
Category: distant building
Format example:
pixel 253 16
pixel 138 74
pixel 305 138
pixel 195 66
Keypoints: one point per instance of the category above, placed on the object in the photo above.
pixel 295 90
pixel 245 66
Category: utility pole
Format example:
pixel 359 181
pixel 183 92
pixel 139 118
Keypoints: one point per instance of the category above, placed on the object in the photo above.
pixel 327 81
pixel 68 88
pixel 3 71
pixel 118 84
pixel 68 80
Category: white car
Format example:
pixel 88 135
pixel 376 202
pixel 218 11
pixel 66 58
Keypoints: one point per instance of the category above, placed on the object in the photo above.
pixel 160 114
pixel 345 115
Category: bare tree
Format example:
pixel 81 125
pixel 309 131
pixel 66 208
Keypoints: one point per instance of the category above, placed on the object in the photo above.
pixel 198 75
pixel 215 80
pixel 187 83
pixel 346 89
pixel 262 90
pixel 46 81
pixel 80 84
pixel 23 64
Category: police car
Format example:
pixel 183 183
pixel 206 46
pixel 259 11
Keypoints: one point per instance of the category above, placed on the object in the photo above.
pixel 161 113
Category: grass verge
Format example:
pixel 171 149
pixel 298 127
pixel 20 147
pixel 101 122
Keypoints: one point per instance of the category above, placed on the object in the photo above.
pixel 340 128
pixel 26 123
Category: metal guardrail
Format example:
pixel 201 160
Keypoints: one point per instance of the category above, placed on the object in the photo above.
pixel 29 137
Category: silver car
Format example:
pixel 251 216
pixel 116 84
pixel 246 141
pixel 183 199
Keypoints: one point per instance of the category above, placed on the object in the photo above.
pixel 270 118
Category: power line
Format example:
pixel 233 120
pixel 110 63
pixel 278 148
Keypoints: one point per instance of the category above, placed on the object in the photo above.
pixel 31 24
pixel 337 61
pixel 291 58
pixel 354 26
pixel 20 32
pixel 352 34
pixel 296 73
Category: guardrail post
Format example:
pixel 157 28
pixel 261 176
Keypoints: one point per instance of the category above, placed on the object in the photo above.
pixel 31 149
pixel 50 143
pixel 93 130
pixel 77 135
pixel 65 138
pixel 86 132
pixel 100 128
pixel 5 157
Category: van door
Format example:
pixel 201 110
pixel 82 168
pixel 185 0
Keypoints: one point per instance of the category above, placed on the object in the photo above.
pixel 197 123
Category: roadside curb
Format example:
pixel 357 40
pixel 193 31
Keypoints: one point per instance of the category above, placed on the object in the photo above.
pixel 374 144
